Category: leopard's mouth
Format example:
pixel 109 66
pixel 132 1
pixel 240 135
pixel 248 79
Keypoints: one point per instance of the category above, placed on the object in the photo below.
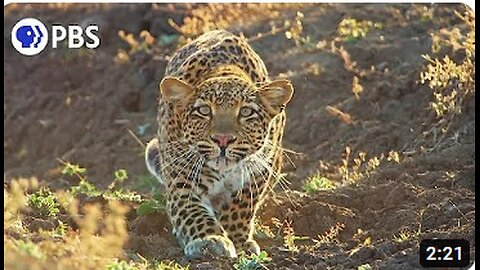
pixel 216 155
pixel 222 162
pixel 222 158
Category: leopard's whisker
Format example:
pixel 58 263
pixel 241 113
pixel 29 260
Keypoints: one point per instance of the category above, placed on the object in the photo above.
pixel 259 160
pixel 166 166
pixel 281 180
pixel 196 171
pixel 263 173
pixel 253 179
pixel 181 170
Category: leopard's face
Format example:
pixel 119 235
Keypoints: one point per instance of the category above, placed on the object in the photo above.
pixel 226 119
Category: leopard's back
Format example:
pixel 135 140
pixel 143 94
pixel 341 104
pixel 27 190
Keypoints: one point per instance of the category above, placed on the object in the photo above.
pixel 196 60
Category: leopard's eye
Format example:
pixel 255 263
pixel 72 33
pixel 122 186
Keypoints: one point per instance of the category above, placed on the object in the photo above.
pixel 246 112
pixel 204 110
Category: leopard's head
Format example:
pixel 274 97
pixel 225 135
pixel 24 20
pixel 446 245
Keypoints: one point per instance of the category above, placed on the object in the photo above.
pixel 226 118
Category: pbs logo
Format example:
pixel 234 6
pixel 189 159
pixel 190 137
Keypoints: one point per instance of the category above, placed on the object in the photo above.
pixel 30 36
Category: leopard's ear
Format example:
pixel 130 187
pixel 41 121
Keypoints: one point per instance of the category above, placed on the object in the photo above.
pixel 276 95
pixel 173 90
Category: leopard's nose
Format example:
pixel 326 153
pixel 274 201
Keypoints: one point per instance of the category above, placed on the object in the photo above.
pixel 223 140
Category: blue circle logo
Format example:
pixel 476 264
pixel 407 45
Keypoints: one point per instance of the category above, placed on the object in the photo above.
pixel 29 36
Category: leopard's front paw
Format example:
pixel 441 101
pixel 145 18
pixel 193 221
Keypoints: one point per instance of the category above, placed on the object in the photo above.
pixel 215 245
pixel 251 246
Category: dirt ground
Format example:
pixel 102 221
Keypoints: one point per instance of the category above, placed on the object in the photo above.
pixel 79 105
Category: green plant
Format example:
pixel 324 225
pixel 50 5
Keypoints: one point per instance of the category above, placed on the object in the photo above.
pixel 85 187
pixel 72 169
pixel 120 175
pixel 121 265
pixel 364 267
pixel 352 29
pixel 145 183
pixel 45 202
pixel 318 183
pixel 100 234
pixel 251 262
pixel 156 203
pixel 122 195
pixel 30 248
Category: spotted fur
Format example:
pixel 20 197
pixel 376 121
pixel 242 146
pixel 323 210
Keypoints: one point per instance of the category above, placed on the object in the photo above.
pixel 218 146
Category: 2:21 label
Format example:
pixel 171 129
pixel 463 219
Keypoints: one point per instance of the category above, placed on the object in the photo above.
pixel 444 253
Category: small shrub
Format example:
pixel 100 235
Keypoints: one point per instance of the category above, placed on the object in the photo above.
pixel 156 203
pixel 121 265
pixel 318 183
pixel 122 195
pixel 289 237
pixel 451 81
pixel 121 175
pixel 85 187
pixel 251 262
pixel 45 202
pixel 72 169
pixel 352 29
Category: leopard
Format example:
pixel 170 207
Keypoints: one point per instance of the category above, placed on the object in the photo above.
pixel 218 147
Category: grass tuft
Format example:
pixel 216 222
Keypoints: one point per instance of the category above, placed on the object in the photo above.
pixel 318 183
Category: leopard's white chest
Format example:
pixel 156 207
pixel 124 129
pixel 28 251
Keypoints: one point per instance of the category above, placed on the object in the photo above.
pixel 230 181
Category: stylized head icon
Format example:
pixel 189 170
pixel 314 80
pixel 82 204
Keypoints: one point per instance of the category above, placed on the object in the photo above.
pixel 26 35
